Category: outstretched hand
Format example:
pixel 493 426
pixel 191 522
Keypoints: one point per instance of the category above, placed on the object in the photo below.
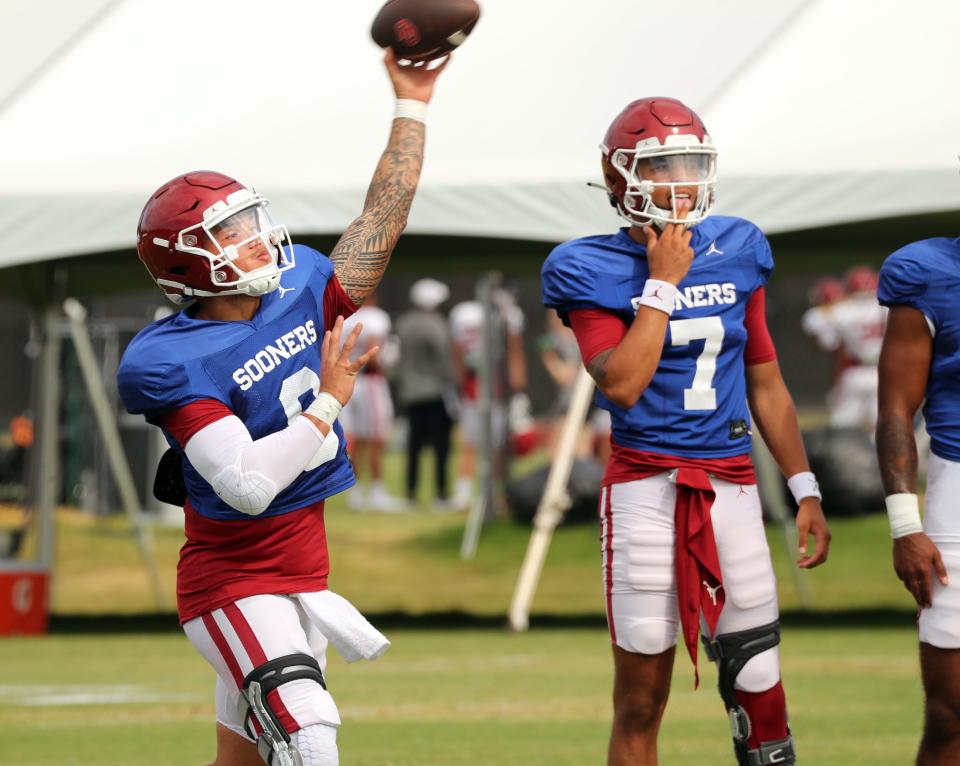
pixel 413 81
pixel 337 373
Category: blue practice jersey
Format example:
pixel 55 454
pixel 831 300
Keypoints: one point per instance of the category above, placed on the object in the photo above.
pixel 926 276
pixel 695 405
pixel 266 371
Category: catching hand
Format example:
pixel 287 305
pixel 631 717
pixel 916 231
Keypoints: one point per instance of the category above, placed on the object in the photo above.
pixel 337 373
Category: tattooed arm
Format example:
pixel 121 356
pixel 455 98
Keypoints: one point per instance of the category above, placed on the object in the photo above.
pixel 621 381
pixel 904 370
pixel 904 367
pixel 361 256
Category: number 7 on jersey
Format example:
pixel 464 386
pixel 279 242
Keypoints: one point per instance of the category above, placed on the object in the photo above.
pixel 701 395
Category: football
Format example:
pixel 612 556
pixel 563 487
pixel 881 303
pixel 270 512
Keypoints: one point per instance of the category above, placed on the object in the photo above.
pixel 422 30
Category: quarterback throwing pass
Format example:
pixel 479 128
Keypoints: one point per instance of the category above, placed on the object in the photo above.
pixel 247 382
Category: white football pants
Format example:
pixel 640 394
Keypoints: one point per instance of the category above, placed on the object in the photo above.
pixel 247 633
pixel 637 544
pixel 940 623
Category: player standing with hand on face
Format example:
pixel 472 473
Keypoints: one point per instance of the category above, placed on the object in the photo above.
pixel 920 283
pixel 247 382
pixel 669 316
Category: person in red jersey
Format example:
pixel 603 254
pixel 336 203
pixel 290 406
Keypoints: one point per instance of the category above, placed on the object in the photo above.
pixel 669 316
pixel 247 382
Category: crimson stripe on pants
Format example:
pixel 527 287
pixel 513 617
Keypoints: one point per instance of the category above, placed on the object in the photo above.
pixel 258 657
pixel 221 643
pixel 607 511
pixel 227 653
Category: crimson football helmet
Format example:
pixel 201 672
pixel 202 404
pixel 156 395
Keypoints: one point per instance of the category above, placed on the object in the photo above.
pixel 826 291
pixel 861 279
pixel 194 228
pixel 658 143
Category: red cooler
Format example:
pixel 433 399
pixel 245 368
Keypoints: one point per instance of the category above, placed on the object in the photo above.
pixel 24 600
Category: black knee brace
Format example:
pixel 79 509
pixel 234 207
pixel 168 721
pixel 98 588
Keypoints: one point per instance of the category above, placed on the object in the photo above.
pixel 274 743
pixel 731 651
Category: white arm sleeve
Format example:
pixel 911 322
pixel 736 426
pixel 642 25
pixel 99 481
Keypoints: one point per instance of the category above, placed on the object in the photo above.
pixel 246 474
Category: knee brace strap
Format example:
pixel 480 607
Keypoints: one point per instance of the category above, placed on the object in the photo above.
pixel 768 753
pixel 274 743
pixel 731 651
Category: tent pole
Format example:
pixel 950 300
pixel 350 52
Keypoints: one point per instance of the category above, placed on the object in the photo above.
pixel 107 424
pixel 47 467
pixel 553 505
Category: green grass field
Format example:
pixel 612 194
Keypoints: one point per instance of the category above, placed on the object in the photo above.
pixel 466 697
pixel 410 563
pixel 438 698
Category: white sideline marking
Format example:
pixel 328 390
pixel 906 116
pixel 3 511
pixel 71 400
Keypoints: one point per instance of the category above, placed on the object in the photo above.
pixel 52 696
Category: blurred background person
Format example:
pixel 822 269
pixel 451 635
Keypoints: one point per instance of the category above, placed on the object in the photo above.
pixel 859 321
pixel 368 418
pixel 819 321
pixel 561 359
pixel 424 379
pixel 560 355
pixel 467 321
pixel 14 450
pixel 819 325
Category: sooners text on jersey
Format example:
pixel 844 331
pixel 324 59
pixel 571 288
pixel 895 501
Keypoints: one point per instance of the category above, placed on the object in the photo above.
pixel 695 405
pixel 266 371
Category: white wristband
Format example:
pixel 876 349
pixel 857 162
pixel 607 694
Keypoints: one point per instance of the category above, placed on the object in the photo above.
pixel 411 109
pixel 659 295
pixel 803 485
pixel 325 408
pixel 903 510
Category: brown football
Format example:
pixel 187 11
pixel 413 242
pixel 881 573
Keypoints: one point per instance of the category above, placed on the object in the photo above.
pixel 421 30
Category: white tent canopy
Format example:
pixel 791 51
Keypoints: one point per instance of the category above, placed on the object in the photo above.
pixel 825 111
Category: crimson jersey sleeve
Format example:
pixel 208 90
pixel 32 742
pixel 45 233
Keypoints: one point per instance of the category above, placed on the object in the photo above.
pixel 336 303
pixel 760 348
pixel 596 331
pixel 183 422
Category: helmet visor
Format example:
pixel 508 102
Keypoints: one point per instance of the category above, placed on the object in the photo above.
pixel 675 168
pixel 245 233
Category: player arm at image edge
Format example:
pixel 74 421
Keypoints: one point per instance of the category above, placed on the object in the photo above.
pixel 903 368
pixel 904 372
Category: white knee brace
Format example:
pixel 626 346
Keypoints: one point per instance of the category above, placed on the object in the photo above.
pixel 317 745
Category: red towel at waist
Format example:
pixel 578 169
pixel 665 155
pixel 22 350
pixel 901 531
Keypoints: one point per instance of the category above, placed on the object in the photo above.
pixel 699 579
